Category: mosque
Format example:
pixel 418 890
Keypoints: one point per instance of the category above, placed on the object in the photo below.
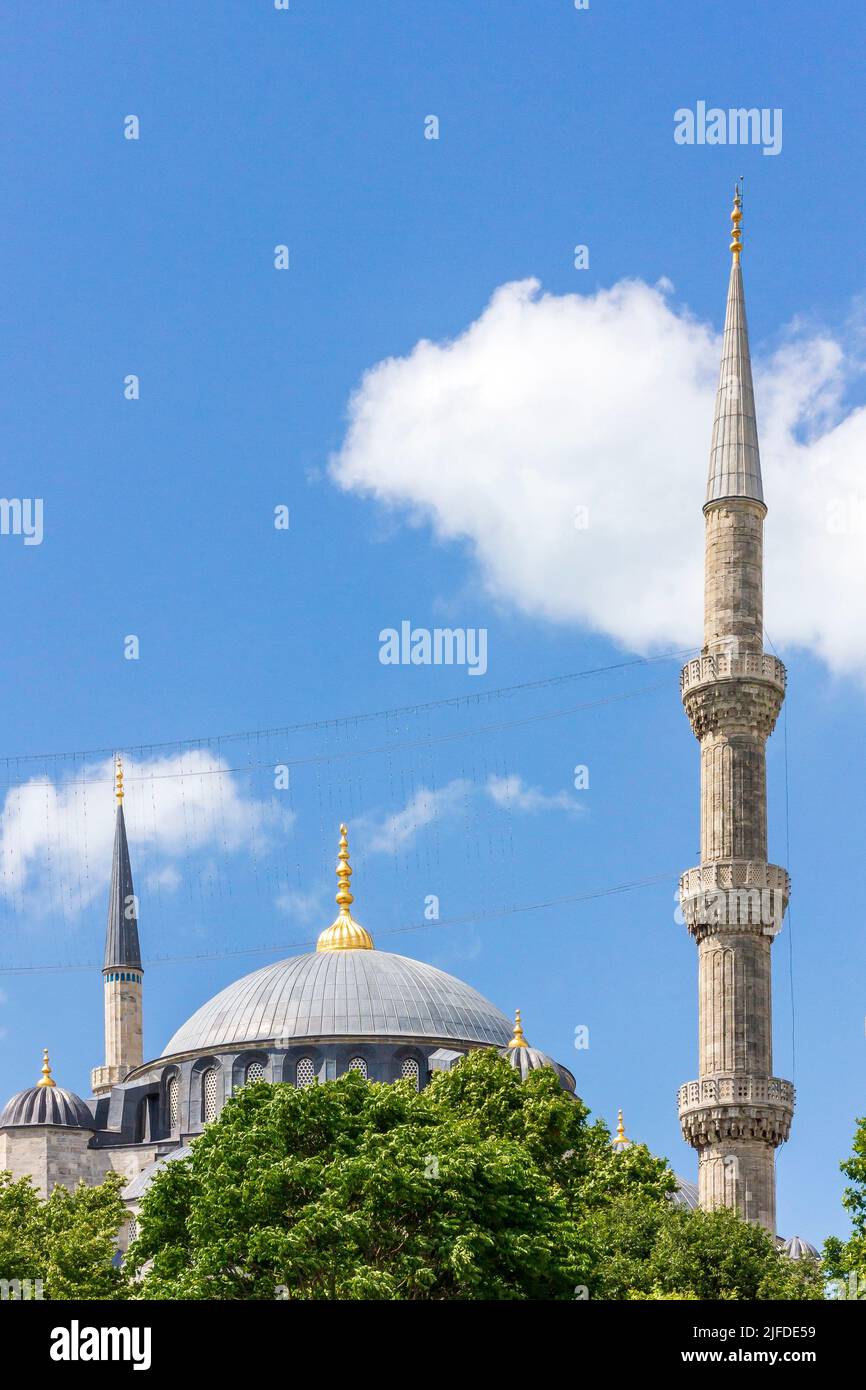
pixel 349 1007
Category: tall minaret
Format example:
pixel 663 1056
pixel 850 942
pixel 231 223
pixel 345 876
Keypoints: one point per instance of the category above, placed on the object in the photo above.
pixel 736 1113
pixel 121 969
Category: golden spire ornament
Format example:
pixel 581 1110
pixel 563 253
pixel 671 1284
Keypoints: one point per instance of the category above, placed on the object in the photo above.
pixel 620 1142
pixel 736 218
pixel 47 1078
pixel 344 933
pixel 118 779
pixel 518 1040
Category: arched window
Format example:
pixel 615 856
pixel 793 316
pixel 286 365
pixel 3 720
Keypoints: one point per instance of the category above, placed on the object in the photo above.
pixel 305 1072
pixel 410 1071
pixel 173 1102
pixel 209 1095
pixel 133 1230
pixel 255 1072
pixel 359 1065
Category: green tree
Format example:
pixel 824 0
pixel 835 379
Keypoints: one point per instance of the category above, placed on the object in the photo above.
pixel 67 1242
pixel 845 1261
pixel 356 1190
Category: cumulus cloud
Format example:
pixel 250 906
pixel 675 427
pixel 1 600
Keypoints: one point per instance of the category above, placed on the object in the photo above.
pixel 56 838
pixel 303 907
pixel 564 441
pixel 427 805
pixel 512 794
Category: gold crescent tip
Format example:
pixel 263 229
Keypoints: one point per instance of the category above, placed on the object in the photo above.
pixel 736 246
pixel 344 933
pixel 46 1079
pixel 519 1039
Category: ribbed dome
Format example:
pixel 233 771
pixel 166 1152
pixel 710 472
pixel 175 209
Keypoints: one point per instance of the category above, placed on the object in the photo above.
pixel 798 1249
pixel 47 1105
pixel 348 993
pixel 527 1059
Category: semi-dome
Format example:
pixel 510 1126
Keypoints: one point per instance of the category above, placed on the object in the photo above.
pixel 525 1059
pixel 356 993
pixel 46 1103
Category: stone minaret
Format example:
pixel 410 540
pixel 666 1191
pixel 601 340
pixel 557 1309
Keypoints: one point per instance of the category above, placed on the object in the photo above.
pixel 121 970
pixel 736 1113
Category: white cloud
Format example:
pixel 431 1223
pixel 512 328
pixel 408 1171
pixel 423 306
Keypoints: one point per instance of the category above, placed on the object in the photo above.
pixel 304 907
pixel 549 403
pixel 512 794
pixel 425 806
pixel 56 839
pixel 168 877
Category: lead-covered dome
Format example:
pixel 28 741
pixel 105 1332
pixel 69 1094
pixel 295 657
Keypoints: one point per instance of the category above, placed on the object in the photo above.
pixel 359 993
pixel 46 1103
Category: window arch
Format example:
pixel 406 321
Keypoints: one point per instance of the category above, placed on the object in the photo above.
pixel 209 1095
pixel 305 1072
pixel 255 1072
pixel 359 1065
pixel 410 1071
pixel 173 1099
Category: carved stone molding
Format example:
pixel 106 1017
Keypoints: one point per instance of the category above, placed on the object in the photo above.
pixel 717 1109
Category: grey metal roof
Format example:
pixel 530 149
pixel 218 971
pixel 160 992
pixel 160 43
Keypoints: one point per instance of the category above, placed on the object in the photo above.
pixel 47 1105
pixel 686 1195
pixel 735 461
pixel 121 936
pixel 529 1059
pixel 364 994
pixel 796 1248
pixel 136 1189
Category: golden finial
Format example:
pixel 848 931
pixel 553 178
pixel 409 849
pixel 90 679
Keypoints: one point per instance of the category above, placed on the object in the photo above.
pixel 344 933
pixel 47 1078
pixel 736 219
pixel 518 1040
pixel 118 779
pixel 620 1142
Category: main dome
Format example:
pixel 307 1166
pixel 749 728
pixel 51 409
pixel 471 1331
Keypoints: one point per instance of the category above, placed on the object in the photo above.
pixel 344 993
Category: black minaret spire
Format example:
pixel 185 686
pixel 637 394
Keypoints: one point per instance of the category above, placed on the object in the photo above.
pixel 121 968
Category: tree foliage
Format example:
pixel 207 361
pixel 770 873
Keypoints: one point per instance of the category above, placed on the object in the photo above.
pixel 67 1242
pixel 845 1261
pixel 478 1187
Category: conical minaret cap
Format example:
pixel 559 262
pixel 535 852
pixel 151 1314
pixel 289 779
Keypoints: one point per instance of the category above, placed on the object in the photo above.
pixel 344 933
pixel 122 950
pixel 735 460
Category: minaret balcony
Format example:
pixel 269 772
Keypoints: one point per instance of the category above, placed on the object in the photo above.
pixel 736 1106
pixel 733 693
pixel 739 895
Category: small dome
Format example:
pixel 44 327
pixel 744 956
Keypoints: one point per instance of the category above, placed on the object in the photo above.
pixel 46 1103
pixel 798 1249
pixel 525 1059
pixel 686 1194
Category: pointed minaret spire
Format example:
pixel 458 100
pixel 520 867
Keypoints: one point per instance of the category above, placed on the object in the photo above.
pixel 736 1112
pixel 121 966
pixel 735 460
pixel 121 937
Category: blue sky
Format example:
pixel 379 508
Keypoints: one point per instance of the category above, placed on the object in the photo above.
pixel 156 257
